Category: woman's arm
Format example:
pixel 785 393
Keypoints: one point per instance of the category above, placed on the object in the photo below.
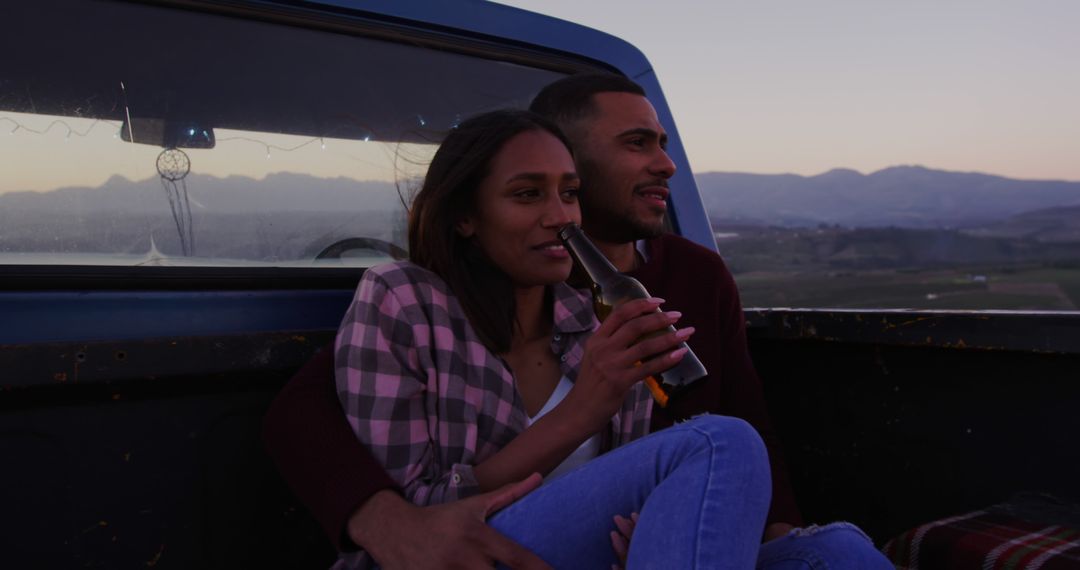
pixel 382 386
pixel 611 365
pixel 349 492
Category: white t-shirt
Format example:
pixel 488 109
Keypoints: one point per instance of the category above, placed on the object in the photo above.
pixel 585 452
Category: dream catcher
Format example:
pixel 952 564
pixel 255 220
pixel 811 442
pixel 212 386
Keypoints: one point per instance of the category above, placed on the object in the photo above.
pixel 173 167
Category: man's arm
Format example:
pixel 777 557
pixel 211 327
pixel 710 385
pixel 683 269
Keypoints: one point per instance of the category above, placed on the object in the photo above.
pixel 736 391
pixel 696 281
pixel 357 503
pixel 447 536
pixel 744 397
pixel 316 451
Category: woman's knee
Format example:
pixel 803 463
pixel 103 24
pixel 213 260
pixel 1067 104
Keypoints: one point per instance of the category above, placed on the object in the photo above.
pixel 733 436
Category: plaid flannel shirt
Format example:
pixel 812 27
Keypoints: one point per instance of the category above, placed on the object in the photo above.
pixel 424 394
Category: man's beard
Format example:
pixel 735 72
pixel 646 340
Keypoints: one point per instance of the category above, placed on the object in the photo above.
pixel 602 220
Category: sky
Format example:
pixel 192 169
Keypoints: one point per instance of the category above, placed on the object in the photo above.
pixel 796 86
pixel 758 86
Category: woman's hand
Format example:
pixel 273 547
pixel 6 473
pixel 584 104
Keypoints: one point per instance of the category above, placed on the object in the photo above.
pixel 610 365
pixel 620 538
pixel 614 360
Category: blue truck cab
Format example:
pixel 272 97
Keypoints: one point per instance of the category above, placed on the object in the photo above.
pixel 191 190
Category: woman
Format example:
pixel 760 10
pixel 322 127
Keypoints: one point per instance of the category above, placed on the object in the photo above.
pixel 474 365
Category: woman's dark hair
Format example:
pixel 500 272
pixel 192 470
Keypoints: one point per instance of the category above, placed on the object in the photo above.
pixel 448 195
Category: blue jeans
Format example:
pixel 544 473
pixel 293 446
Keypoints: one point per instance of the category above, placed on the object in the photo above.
pixel 837 545
pixel 701 487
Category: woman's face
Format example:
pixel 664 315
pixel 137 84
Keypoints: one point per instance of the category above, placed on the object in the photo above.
pixel 530 192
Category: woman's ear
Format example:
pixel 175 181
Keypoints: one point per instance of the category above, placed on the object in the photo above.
pixel 465 227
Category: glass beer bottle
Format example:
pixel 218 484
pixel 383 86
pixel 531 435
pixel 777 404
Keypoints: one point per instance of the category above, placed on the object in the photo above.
pixel 610 289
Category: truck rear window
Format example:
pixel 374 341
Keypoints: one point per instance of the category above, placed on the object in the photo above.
pixel 141 135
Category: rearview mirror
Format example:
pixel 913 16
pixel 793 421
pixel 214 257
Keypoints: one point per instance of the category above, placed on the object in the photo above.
pixel 167 133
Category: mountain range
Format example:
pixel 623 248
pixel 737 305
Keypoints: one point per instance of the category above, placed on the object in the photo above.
pixel 904 197
pixel 901 196
pixel 281 192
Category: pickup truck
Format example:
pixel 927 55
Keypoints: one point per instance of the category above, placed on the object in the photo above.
pixel 191 189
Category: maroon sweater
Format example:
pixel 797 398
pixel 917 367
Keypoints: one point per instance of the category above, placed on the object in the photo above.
pixel 694 281
pixel 333 473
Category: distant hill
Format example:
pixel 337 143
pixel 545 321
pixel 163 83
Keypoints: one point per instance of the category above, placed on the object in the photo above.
pixel 1051 225
pixel 901 196
pixel 293 216
pixel 282 192
pixel 283 217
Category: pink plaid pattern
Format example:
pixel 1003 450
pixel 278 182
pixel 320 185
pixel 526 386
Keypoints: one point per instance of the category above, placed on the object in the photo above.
pixel 424 394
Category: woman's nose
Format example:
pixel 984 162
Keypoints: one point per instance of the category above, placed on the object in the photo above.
pixel 558 213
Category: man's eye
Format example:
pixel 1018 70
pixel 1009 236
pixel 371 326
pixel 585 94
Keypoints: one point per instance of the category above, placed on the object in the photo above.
pixel 570 194
pixel 527 193
pixel 637 141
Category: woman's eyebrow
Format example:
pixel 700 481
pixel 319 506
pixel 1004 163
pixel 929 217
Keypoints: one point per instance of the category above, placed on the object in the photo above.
pixel 529 176
pixel 539 176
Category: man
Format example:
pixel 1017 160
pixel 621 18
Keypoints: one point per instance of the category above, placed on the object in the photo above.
pixel 619 150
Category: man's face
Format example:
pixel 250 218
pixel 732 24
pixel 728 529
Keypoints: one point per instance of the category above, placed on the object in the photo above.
pixel 624 168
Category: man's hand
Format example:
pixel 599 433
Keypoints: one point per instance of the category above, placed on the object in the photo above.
pixel 620 539
pixel 402 536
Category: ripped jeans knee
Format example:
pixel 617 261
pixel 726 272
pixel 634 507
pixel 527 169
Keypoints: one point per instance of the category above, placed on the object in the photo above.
pixel 834 546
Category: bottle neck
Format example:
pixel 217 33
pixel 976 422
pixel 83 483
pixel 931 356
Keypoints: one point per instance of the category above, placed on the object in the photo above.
pixel 585 252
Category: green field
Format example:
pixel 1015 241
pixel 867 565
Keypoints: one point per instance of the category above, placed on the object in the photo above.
pixel 1034 288
pixel 896 268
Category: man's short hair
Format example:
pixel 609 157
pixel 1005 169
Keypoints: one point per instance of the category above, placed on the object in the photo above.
pixel 571 98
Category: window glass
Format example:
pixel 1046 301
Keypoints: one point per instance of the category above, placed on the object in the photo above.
pixel 138 135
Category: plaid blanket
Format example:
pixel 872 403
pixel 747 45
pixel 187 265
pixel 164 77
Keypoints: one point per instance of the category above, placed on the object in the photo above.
pixel 1029 532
